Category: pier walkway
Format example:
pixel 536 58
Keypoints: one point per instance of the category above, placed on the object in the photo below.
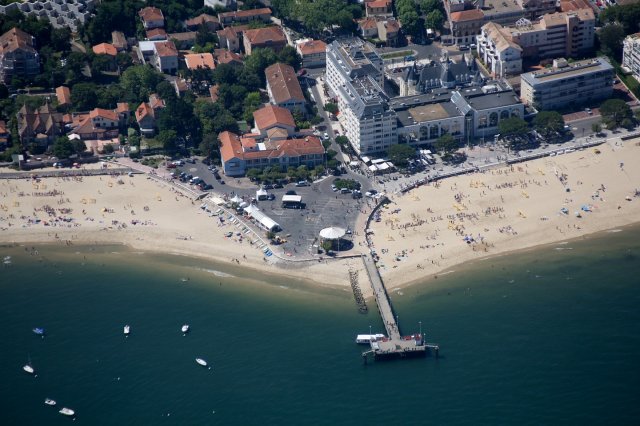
pixel 395 344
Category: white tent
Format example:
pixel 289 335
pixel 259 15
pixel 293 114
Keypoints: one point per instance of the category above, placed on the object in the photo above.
pixel 236 200
pixel 261 194
pixel 332 233
pixel 373 168
pixel 265 221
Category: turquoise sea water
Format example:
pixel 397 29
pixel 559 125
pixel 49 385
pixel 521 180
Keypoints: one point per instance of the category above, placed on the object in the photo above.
pixel 548 336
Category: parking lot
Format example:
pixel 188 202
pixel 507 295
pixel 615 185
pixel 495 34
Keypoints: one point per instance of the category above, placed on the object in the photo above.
pixel 300 227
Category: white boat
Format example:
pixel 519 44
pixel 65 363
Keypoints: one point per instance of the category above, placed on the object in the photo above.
pixel 49 402
pixel 365 339
pixel 127 330
pixel 201 361
pixel 185 328
pixel 67 411
pixel 29 369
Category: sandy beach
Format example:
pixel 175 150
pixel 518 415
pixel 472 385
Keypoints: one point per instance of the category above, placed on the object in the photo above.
pixel 140 212
pixel 420 234
pixel 431 229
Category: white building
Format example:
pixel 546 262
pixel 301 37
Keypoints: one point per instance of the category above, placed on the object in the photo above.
pixel 565 84
pixel 631 55
pixel 500 55
pixel 229 4
pixel 355 76
pixel 60 13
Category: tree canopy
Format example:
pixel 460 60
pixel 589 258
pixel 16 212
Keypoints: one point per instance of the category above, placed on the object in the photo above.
pixel 446 144
pixel 513 126
pixel 548 122
pixel 614 112
pixel 400 154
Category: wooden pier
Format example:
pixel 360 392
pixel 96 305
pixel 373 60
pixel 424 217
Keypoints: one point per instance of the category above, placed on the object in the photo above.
pixel 395 345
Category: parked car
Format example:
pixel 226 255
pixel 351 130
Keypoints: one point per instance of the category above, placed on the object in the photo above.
pixel 277 186
pixel 291 192
pixel 302 183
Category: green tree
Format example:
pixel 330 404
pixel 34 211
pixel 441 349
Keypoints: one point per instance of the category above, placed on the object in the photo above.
pixel 83 96
pixel 252 102
pixel 614 111
pixel 446 144
pixel 596 128
pixel 610 37
pixel 289 55
pixel 63 148
pixel 139 82
pixel 400 154
pixel 209 144
pixel 168 140
pixel 331 107
pixel 513 127
pixel 548 122
pixel 428 6
pixel 434 19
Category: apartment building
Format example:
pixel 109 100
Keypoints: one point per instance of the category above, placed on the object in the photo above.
pixel 355 77
pixel 18 56
pixel 562 34
pixel 60 13
pixel 498 52
pixel 565 84
pixel 631 55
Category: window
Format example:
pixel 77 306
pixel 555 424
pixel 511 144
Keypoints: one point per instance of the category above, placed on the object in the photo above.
pixel 493 119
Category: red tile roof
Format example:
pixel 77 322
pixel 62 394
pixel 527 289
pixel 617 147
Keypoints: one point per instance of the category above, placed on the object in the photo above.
pixel 283 83
pixel 244 13
pixel 199 60
pixel 64 95
pixel 467 15
pixel 166 48
pixel 143 111
pixel 223 56
pixel 229 146
pixel 105 113
pixel 273 115
pixel 200 20
pixel 367 23
pixel 260 36
pixel 105 49
pixel 156 33
pixel 151 14
pixel 378 4
pixel 14 39
pixel 122 107
pixel 312 46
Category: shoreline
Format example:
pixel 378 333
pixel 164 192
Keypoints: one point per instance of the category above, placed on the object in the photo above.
pixel 502 211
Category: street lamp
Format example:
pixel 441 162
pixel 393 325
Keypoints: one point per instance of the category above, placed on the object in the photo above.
pixel 369 330
pixel 420 322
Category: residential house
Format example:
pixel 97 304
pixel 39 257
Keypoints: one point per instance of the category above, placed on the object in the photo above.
pixel 18 56
pixel 231 37
pixel 180 86
pixel 224 56
pixel 64 96
pixel 239 154
pixel 389 31
pixel 156 34
pixel 119 41
pixel 165 57
pixel 312 52
pixel 368 28
pixel 211 23
pixel 40 126
pixel 147 114
pixel 105 49
pixel 199 60
pixel 244 16
pixel 273 116
pixel 284 88
pixel 379 8
pixel 272 37
pixel 151 17
pixel 100 123
pixel 184 40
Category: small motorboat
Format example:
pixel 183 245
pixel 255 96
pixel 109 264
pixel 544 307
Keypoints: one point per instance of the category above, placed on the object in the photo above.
pixel 39 331
pixel 127 330
pixel 67 411
pixel 185 328
pixel 48 401
pixel 202 362
pixel 29 369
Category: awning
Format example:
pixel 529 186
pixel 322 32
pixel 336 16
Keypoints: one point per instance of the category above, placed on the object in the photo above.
pixel 332 233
